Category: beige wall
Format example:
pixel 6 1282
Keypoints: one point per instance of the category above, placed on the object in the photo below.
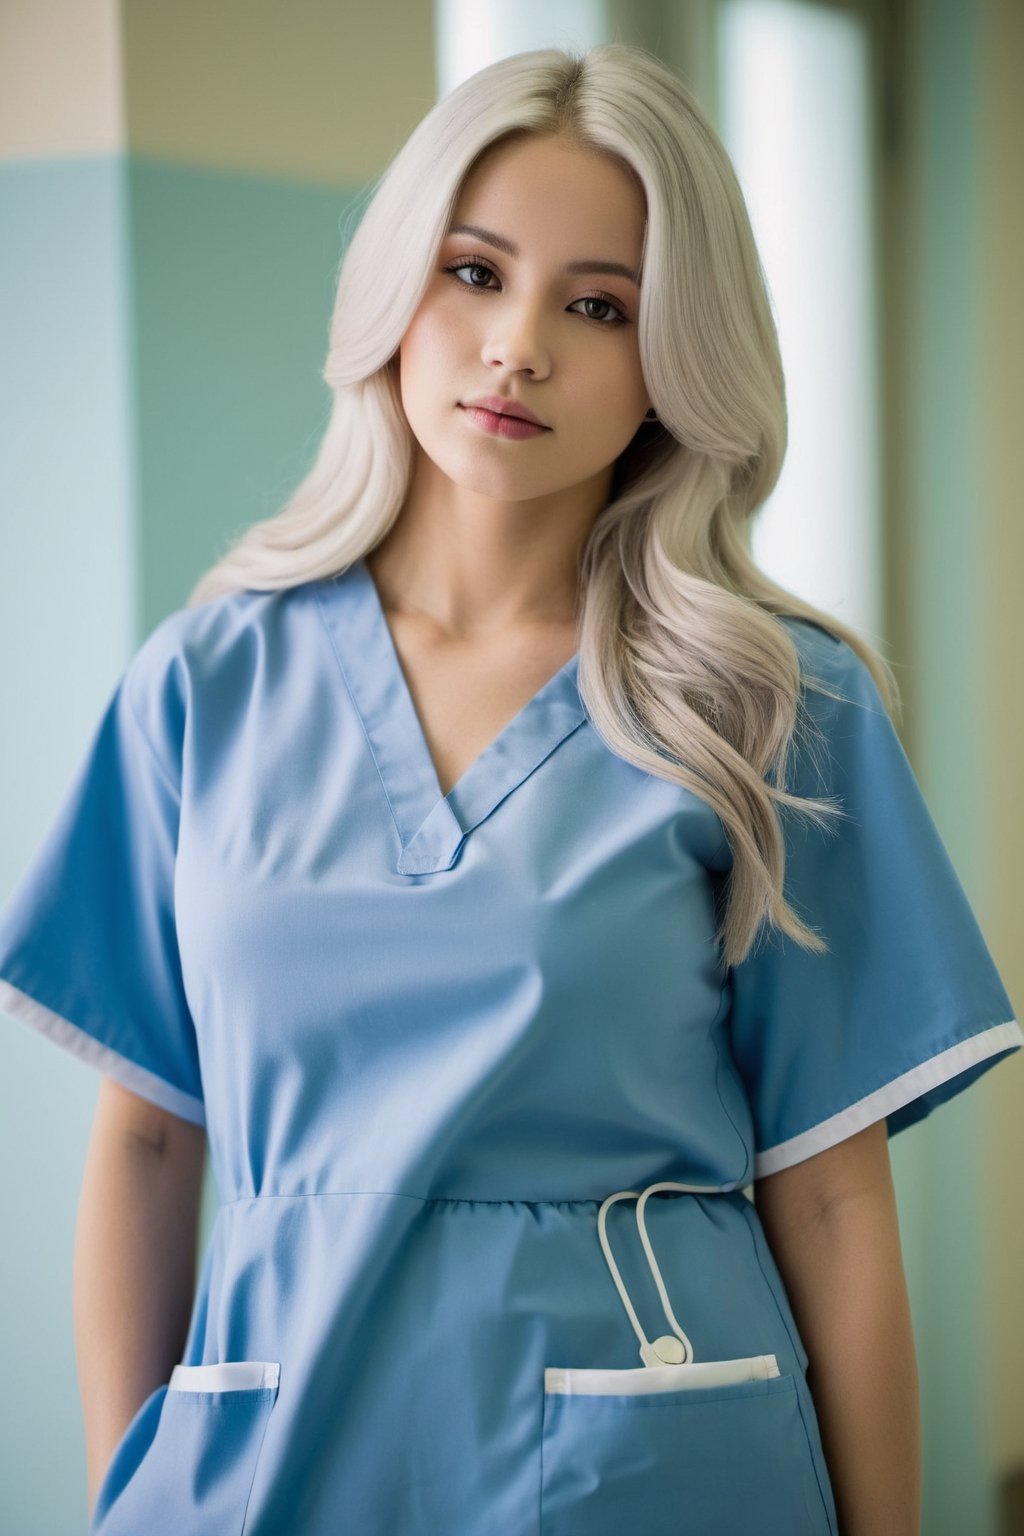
pixel 1000 523
pixel 311 91
pixel 66 99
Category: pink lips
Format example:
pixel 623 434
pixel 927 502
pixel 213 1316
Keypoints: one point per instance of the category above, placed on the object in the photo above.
pixel 501 425
pixel 501 405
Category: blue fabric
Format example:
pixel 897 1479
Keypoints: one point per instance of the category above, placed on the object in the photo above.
pixel 90 932
pixel 428 1035
pixel 907 976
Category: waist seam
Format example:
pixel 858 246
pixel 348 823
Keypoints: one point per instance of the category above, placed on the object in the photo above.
pixel 591 1200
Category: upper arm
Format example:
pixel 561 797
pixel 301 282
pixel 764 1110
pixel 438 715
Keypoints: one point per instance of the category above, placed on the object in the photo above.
pixel 820 1185
pixel 123 1113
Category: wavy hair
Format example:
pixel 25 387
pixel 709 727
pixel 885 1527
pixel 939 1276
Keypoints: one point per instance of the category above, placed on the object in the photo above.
pixel 685 669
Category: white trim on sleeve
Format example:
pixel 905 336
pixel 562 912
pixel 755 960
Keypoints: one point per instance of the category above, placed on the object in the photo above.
pixel 902 1090
pixel 70 1038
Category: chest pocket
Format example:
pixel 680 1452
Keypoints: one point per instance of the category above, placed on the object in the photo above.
pixel 187 1460
pixel 716 1447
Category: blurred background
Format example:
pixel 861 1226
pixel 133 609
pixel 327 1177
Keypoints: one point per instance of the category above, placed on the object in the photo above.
pixel 177 184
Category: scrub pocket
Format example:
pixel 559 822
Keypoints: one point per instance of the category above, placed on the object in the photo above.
pixel 187 1460
pixel 716 1448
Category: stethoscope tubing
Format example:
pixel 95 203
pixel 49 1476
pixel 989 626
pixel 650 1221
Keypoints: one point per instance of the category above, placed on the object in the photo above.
pixel 664 1350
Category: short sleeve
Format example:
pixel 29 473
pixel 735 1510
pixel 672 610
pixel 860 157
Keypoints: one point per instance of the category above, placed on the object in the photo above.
pixel 907 1008
pixel 88 941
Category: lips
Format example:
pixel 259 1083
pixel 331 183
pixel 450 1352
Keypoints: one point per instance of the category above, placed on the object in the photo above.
pixel 501 405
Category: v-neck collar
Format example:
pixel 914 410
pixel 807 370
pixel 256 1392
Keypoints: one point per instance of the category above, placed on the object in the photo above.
pixel 432 826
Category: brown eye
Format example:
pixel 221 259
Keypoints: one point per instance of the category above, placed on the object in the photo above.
pixel 607 304
pixel 478 264
pixel 469 266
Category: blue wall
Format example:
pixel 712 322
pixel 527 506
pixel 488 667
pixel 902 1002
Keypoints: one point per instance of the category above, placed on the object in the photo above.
pixel 164 330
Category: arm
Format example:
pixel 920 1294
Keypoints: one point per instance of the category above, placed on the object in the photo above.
pixel 135 1262
pixel 832 1226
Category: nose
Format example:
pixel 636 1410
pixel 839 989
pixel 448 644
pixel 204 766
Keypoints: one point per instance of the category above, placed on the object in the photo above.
pixel 515 338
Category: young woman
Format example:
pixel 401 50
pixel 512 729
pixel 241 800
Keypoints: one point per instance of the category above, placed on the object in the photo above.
pixel 505 876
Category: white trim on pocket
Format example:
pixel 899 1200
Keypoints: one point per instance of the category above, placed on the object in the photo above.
pixel 229 1376
pixel 658 1378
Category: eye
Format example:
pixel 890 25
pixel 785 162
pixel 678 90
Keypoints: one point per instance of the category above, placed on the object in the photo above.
pixel 479 264
pixel 616 318
pixel 469 266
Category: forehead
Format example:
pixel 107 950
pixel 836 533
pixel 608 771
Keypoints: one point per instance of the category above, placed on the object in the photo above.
pixel 555 185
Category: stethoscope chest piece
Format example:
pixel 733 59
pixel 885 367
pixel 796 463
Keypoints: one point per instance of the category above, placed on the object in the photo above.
pixel 669 1349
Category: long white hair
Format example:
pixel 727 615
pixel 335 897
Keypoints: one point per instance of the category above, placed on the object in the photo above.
pixel 684 667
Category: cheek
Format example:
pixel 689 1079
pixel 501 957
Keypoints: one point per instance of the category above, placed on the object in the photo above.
pixel 435 325
pixel 427 348
pixel 614 393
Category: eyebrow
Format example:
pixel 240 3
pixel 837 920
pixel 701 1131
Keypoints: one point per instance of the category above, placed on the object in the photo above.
pixel 501 243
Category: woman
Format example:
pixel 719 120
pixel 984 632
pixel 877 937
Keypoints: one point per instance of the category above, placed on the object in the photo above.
pixel 432 859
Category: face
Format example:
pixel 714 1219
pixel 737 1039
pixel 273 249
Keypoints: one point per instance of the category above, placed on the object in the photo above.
pixel 522 325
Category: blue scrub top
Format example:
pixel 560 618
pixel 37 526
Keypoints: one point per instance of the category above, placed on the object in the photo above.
pixel 429 1035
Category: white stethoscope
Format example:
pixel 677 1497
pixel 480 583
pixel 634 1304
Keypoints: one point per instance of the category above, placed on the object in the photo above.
pixel 671 1348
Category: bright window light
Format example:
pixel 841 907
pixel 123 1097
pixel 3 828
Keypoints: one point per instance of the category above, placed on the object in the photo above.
pixel 795 117
pixel 472 35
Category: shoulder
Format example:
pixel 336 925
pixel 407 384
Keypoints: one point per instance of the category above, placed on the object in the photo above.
pixel 844 732
pixel 211 651
pixel 833 677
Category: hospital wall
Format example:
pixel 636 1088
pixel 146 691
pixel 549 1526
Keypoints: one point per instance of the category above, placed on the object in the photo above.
pixel 954 339
pixel 174 188
pixel 174 185
pixel 1000 529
